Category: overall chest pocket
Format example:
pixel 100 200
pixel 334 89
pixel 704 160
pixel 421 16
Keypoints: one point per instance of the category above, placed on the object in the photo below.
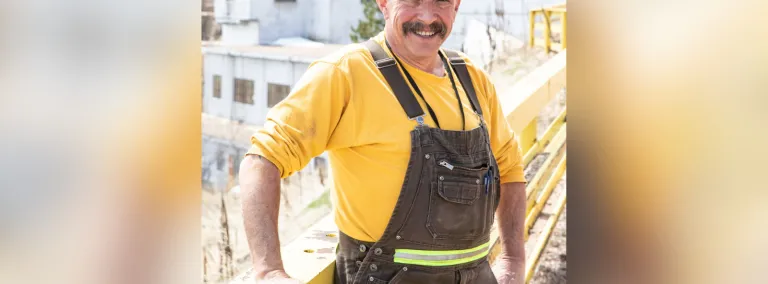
pixel 459 206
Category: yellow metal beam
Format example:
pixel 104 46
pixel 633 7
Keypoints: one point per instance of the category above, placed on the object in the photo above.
pixel 532 21
pixel 525 99
pixel 564 31
pixel 545 139
pixel 558 10
pixel 547 31
pixel 533 260
pixel 541 200
pixel 311 257
pixel 553 21
pixel 553 147
pixel 528 137
pixel 556 151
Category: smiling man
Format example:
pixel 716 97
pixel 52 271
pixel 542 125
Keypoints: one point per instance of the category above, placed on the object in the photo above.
pixel 423 159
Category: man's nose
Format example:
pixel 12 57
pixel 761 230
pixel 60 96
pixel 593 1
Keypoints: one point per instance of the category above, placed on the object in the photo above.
pixel 427 13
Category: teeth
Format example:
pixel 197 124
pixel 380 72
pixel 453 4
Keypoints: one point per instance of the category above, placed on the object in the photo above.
pixel 425 33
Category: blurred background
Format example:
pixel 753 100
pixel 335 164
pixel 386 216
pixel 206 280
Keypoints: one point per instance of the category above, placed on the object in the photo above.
pixel 117 140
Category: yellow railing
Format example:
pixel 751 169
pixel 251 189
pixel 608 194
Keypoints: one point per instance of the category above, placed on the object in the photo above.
pixel 311 257
pixel 523 103
pixel 551 23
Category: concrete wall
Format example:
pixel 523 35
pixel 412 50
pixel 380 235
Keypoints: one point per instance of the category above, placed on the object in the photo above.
pixel 261 71
pixel 319 28
pixel 322 20
pixel 233 10
pixel 281 19
pixel 246 33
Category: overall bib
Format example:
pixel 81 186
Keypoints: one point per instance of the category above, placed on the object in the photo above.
pixel 439 230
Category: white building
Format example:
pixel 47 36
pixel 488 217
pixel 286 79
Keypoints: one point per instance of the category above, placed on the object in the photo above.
pixel 240 85
pixel 242 79
pixel 243 82
pixel 320 20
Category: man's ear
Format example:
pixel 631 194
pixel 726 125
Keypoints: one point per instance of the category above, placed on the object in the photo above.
pixel 458 2
pixel 383 7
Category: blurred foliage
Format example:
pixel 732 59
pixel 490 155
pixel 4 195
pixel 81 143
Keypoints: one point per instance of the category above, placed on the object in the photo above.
pixel 371 25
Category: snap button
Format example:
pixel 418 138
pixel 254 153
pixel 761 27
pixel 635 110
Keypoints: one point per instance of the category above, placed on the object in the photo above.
pixel 358 263
pixel 426 156
pixel 477 181
pixel 362 248
pixel 442 178
pixel 405 268
pixel 373 267
pixel 398 237
pixel 370 279
pixel 377 251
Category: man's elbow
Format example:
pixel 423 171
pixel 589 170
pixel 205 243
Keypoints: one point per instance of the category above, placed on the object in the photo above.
pixel 256 169
pixel 255 162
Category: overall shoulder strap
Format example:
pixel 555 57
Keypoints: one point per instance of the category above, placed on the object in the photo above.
pixel 388 67
pixel 460 67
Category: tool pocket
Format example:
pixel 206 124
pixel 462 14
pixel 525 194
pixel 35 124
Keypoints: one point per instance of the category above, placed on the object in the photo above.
pixel 459 204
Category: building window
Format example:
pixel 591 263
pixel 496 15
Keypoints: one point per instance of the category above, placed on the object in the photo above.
pixel 244 91
pixel 217 86
pixel 276 93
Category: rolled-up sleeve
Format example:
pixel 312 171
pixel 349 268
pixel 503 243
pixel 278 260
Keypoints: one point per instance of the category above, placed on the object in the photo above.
pixel 504 142
pixel 300 126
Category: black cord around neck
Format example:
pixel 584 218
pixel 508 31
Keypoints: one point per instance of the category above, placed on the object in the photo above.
pixel 418 91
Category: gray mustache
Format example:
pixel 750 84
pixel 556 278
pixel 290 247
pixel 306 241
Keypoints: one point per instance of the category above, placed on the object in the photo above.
pixel 413 27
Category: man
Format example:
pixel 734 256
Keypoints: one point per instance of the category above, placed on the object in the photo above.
pixel 415 191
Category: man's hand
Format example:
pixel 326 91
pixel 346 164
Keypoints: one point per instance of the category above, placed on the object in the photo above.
pixel 509 266
pixel 509 271
pixel 277 277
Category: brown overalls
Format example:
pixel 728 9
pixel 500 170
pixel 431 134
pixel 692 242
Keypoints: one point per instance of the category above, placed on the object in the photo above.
pixel 440 228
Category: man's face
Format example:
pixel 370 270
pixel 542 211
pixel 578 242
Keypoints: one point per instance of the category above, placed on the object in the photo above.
pixel 419 27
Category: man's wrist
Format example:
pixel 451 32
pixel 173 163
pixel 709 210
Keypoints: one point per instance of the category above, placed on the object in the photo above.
pixel 509 258
pixel 270 274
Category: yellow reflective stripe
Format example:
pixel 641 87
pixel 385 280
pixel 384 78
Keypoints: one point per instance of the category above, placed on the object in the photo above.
pixel 442 252
pixel 440 258
pixel 440 262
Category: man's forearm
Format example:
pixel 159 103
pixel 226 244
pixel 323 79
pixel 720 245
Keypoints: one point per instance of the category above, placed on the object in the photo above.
pixel 510 217
pixel 260 193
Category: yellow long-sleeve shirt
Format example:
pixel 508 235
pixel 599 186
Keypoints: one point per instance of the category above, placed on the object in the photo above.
pixel 342 104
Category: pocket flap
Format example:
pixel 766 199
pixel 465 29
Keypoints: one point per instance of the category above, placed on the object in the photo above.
pixel 459 192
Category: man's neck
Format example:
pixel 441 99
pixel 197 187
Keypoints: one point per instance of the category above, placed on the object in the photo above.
pixel 431 64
